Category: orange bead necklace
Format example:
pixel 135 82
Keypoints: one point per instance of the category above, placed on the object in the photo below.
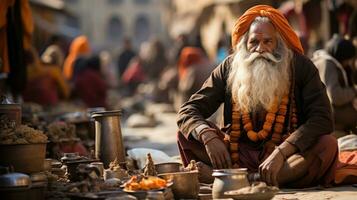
pixel 273 125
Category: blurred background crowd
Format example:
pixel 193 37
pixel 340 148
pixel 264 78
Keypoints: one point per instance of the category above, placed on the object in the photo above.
pixel 124 53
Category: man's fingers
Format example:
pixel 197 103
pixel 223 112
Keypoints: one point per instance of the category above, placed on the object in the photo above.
pixel 261 172
pixel 227 159
pixel 274 178
pixel 223 160
pixel 219 161
pixel 222 157
pixel 268 177
pixel 214 162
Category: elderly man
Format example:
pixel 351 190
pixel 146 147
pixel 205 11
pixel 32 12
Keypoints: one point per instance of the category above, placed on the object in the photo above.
pixel 274 103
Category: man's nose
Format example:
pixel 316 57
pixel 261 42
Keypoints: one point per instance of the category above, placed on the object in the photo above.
pixel 260 48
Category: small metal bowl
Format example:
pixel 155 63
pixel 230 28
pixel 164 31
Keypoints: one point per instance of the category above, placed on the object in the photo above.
pixel 14 180
pixel 167 167
pixel 185 184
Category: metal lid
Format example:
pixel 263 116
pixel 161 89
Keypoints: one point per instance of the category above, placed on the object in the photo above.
pixel 223 172
pixel 14 180
pixel 106 113
pixel 95 109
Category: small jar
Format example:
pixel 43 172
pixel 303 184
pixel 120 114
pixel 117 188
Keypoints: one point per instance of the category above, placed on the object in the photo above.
pixel 227 180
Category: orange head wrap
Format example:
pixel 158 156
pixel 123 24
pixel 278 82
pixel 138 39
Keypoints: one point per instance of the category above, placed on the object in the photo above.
pixel 189 56
pixel 79 46
pixel 278 20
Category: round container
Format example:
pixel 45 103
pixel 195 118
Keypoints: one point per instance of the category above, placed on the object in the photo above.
pixel 12 111
pixel 100 167
pixel 25 158
pixel 91 124
pixel 167 167
pixel 11 180
pixel 70 157
pixel 227 180
pixel 108 138
pixel 14 186
pixel 185 184
pixel 38 186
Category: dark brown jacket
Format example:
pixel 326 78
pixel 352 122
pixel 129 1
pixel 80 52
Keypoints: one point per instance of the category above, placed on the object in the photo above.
pixel 313 106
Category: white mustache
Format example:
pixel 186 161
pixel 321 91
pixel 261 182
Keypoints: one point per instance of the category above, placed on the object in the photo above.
pixel 267 56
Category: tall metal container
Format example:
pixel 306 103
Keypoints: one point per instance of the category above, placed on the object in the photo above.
pixel 108 138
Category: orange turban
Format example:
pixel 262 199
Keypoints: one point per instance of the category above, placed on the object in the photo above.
pixel 278 20
pixel 189 56
pixel 79 46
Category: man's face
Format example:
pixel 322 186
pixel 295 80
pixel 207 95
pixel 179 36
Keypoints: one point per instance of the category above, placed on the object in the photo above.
pixel 262 38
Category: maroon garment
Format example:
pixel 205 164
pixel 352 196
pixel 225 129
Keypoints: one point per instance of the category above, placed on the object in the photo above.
pixel 42 90
pixel 91 88
pixel 312 103
pixel 321 171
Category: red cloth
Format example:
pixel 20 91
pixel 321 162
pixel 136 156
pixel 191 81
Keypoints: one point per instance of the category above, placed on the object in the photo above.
pixel 42 90
pixel 347 167
pixel 91 88
pixel 134 73
pixel 321 171
pixel 278 20
pixel 76 147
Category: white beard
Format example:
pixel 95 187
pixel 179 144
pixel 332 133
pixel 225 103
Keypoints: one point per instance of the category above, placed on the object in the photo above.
pixel 255 80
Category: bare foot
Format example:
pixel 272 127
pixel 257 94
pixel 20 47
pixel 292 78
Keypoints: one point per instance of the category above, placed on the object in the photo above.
pixel 204 173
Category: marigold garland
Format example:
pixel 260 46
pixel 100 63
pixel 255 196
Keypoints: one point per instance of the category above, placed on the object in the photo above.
pixel 273 125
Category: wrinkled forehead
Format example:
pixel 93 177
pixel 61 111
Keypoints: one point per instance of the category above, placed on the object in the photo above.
pixel 261 27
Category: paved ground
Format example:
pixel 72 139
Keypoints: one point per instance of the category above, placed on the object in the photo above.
pixel 163 137
pixel 336 193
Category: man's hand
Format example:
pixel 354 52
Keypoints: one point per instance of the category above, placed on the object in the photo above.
pixel 354 103
pixel 270 168
pixel 216 150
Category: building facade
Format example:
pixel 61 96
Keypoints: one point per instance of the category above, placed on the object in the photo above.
pixel 107 22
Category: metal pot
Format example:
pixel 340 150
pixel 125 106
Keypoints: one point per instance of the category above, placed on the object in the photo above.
pixel 108 138
pixel 12 111
pixel 167 167
pixel 38 186
pixel 72 168
pixel 11 180
pixel 227 180
pixel 25 158
pixel 14 186
pixel 185 184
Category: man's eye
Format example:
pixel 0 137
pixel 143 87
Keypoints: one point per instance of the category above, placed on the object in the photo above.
pixel 253 42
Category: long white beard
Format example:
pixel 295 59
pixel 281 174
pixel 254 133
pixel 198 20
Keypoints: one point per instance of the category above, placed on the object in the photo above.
pixel 257 79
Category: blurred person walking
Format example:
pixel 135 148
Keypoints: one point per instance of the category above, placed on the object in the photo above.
pixel 193 69
pixel 89 84
pixel 79 46
pixel 335 64
pixel 147 66
pixel 45 84
pixel 126 54
pixel 53 54
pixel 174 54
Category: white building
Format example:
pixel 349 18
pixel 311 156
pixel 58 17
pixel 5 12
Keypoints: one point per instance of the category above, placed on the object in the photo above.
pixel 106 22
